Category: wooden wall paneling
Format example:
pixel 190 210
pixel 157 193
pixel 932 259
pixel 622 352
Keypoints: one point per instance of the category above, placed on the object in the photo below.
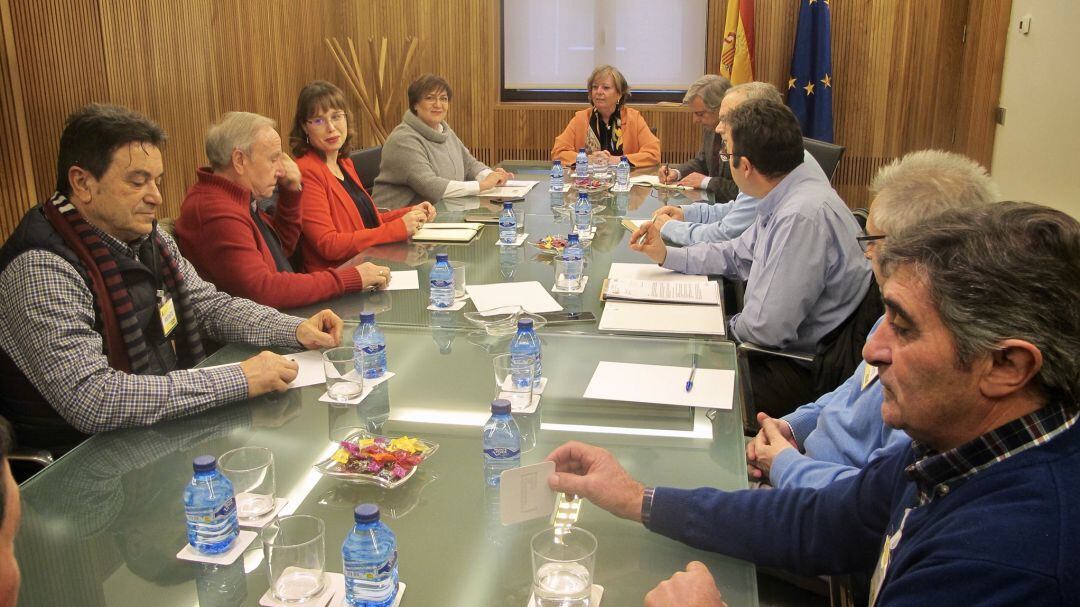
pixel 61 68
pixel 17 190
pixel 980 78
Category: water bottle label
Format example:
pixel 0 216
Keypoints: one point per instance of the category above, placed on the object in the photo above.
pixel 442 284
pixel 502 453
pixel 354 570
pixel 507 223
pixel 373 349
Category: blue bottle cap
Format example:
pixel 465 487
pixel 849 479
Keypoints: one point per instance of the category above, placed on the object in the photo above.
pixel 442 257
pixel 581 150
pixel 582 195
pixel 500 406
pixel 366 317
pixel 204 463
pixel 508 205
pixel 572 237
pixel 525 323
pixel 625 159
pixel 556 162
pixel 366 513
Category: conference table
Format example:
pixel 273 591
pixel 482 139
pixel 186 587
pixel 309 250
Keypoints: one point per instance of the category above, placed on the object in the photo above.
pixel 103 524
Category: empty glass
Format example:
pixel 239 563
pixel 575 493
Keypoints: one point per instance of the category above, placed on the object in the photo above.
pixel 251 470
pixel 344 374
pixel 563 559
pixel 506 369
pixel 294 548
pixel 459 278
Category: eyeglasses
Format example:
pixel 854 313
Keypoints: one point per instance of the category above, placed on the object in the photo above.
pixel 726 156
pixel 865 241
pixel 443 99
pixel 337 118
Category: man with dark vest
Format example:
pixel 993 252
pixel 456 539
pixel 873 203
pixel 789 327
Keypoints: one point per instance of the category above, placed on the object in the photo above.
pixel 101 318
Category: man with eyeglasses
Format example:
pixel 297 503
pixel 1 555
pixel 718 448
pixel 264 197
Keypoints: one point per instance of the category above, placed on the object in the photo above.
pixel 805 275
pixel 102 319
pixel 838 434
pixel 704 221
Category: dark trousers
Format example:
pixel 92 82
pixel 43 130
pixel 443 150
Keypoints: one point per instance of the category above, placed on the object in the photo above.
pixel 780 385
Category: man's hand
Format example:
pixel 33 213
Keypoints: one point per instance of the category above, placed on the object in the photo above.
pixel 694 587
pixel 670 210
pixel 427 208
pixel 646 239
pixel 775 436
pixel 290 180
pixel 414 220
pixel 320 331
pixel 493 179
pixel 374 277
pixel 692 180
pixel 268 372
pixel 668 174
pixel 593 473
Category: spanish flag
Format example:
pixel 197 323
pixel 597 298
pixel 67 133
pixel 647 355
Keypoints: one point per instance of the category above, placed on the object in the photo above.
pixel 737 54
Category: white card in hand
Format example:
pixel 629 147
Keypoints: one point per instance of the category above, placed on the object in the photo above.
pixel 524 493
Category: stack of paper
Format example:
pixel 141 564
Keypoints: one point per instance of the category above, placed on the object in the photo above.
pixel 662 291
pixel 675 318
pixel 634 224
pixel 448 232
pixel 512 189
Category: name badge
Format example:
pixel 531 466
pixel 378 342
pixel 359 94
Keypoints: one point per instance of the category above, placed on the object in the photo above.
pixel 887 547
pixel 167 313
pixel 869 375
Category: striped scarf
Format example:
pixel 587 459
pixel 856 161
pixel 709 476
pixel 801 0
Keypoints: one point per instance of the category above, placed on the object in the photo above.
pixel 126 345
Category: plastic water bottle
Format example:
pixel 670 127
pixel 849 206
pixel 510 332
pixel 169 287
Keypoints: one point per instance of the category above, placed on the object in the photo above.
pixel 210 508
pixel 369 343
pixel 622 173
pixel 502 442
pixel 525 347
pixel 507 224
pixel 441 280
pixel 556 176
pixel 572 258
pixel 581 166
pixel 583 216
pixel 369 556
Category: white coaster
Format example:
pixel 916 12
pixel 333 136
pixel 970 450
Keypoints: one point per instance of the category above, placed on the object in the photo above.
pixel 339 591
pixel 580 289
pixel 536 390
pixel 188 553
pixel 517 243
pixel 589 235
pixel 529 409
pixel 454 307
pixel 565 188
pixel 616 188
pixel 369 387
pixel 594 598
pixel 264 520
pixel 319 600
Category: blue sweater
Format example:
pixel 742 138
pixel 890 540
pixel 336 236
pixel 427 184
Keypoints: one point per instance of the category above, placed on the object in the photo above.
pixel 839 434
pixel 1008 535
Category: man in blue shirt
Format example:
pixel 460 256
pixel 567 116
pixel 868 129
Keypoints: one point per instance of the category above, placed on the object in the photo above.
pixel 976 357
pixel 805 274
pixel 838 434
pixel 706 222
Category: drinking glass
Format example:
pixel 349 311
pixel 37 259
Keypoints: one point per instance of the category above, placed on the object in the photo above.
pixel 251 470
pixel 294 548
pixel 459 278
pixel 519 393
pixel 563 559
pixel 344 373
pixel 563 280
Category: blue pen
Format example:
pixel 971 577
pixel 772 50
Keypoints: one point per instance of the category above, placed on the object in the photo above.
pixel 693 370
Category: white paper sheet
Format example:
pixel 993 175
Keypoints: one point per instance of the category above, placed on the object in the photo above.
pixel 529 295
pixel 650 271
pixel 636 317
pixel 645 180
pixel 661 385
pixel 403 280
pixel 512 189
pixel 311 369
pixel 430 234
pixel 663 291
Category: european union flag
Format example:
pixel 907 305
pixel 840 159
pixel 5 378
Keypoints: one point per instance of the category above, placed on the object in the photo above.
pixel 810 83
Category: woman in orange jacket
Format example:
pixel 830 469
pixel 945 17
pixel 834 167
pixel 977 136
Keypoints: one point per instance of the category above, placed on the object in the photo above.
pixel 608 129
pixel 339 217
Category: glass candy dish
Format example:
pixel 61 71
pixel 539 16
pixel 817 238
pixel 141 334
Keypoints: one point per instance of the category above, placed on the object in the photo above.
pixel 502 321
pixel 377 460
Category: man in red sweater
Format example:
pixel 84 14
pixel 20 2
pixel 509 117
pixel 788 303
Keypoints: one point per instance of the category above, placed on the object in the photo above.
pixel 238 247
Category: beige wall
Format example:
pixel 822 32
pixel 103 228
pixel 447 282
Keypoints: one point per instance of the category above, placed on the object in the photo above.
pixel 1037 150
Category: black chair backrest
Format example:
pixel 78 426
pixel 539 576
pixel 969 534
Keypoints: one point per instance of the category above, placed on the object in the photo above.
pixel 826 154
pixel 367 162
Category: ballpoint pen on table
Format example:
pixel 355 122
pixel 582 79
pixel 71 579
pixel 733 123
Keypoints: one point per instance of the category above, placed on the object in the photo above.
pixel 693 370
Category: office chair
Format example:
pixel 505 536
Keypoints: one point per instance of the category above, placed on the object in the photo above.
pixel 826 154
pixel 367 163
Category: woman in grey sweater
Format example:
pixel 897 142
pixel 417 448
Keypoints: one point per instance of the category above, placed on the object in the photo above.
pixel 423 159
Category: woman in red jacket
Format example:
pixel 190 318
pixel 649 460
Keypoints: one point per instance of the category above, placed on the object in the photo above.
pixel 339 217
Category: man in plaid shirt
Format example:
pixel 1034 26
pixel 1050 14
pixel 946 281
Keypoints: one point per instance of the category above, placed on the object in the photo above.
pixel 101 318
